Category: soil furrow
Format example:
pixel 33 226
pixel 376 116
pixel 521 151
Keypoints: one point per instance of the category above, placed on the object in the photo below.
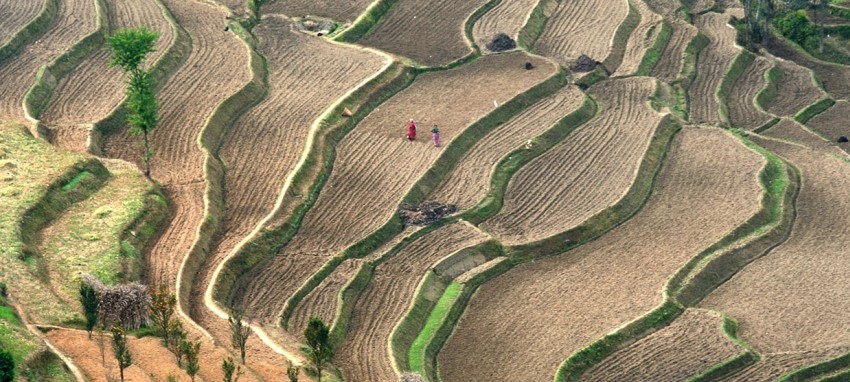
pixel 340 10
pixel 832 123
pixel 581 27
pixel 16 14
pixel 795 89
pixel 508 17
pixel 641 38
pixel 712 65
pixel 743 112
pixel 670 64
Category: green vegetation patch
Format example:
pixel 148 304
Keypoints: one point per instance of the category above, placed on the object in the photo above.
pixel 416 357
pixel 536 24
pixel 813 110
pixel 367 21
pixel 621 39
pixel 736 69
pixel 811 372
pixel 733 364
pixel 774 76
pixel 653 54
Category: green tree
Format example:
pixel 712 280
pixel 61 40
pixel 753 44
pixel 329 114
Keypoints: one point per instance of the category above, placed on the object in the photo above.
pixel 119 347
pixel 232 371
pixel 176 336
pixel 7 366
pixel 91 301
pixel 318 340
pixel 161 306
pixel 191 351
pixel 239 332
pixel 292 371
pixel 130 48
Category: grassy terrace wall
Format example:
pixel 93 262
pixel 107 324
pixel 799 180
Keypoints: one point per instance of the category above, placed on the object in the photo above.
pixel 536 24
pixel 811 372
pixel 733 364
pixel 31 31
pixel 736 69
pixel 367 21
pixel 653 54
pixel 813 110
pixel 621 39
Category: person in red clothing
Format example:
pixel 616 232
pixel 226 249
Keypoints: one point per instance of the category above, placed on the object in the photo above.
pixel 411 130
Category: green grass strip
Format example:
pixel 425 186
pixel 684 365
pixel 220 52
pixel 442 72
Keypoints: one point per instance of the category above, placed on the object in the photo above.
pixel 621 39
pixel 736 69
pixel 535 25
pixel 811 372
pixel 653 54
pixel 416 357
pixel 75 181
pixel 813 110
pixel 731 365
pixel 366 22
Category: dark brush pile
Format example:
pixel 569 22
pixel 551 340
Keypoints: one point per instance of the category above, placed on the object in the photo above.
pixel 500 43
pixel 584 64
pixel 424 214
pixel 124 304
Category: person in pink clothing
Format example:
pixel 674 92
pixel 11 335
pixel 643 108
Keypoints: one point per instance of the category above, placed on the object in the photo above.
pixel 411 130
pixel 435 132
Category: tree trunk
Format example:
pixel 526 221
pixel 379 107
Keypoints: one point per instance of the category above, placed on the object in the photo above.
pixel 243 354
pixel 148 165
pixel 122 373
pixel 821 16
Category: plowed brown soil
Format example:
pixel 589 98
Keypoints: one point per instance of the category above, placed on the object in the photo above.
pixel 508 17
pixel 428 32
pixel 641 39
pixel 833 77
pixel 340 10
pixel 375 166
pixel 322 302
pixel 833 123
pixel 74 20
pixel 586 173
pixel 469 182
pixel 774 366
pixel 364 355
pixel 777 298
pixel 525 323
pixel 16 14
pixel 713 62
pixel 92 90
pixel 670 63
pixel 581 27
pixel 743 112
pixel 795 91
pixel 692 343
pixel 789 130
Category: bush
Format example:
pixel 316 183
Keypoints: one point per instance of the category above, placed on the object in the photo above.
pixel 7 366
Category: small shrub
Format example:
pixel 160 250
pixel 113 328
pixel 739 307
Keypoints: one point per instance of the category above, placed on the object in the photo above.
pixel 7 366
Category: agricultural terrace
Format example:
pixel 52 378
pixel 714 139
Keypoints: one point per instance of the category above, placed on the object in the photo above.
pixel 323 302
pixel 790 88
pixel 832 77
pixel 16 14
pixel 376 166
pixel 431 33
pixel 598 287
pixel 692 342
pixel 508 17
pixel 469 181
pixel 832 123
pixel 342 11
pixel 778 297
pixel 92 91
pixel 581 27
pixel 641 39
pixel 712 65
pixel 790 131
pixel 743 111
pixel 75 19
pixel 671 59
pixel 589 171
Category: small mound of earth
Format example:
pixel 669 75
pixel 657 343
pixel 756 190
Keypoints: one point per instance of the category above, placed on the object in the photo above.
pixel 584 64
pixel 424 214
pixel 315 25
pixel 500 43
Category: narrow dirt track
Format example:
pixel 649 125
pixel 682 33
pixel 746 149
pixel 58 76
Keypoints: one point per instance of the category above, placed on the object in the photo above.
pixel 17 14
pixel 428 32
pixel 74 20
pixel 339 10
pixel 382 165
pixel 641 39
pixel 795 90
pixel 507 332
pixel 670 64
pixel 712 65
pixel 92 90
pixel 833 123
pixel 469 182
pixel 743 112
pixel 364 355
pixel 774 366
pixel 581 27
pixel 560 189
pixel 508 17
pixel 793 299
pixel 692 343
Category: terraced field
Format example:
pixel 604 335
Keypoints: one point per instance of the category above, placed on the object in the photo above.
pixel 832 77
pixel 832 123
pixel 581 27
pixel 508 17
pixel 712 65
pixel 640 40
pixel 611 147
pixel 610 281
pixel 670 63
pixel 743 111
pixel 17 14
pixel 791 89
pixel 431 33
pixel 344 11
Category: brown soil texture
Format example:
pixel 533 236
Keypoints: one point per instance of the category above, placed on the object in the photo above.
pixel 364 355
pixel 773 366
pixel 743 112
pixel 670 62
pixel 692 343
pixel 508 17
pixel 536 315
pixel 340 10
pixel 375 166
pixel 216 68
pixel 589 171
pixel 92 90
pixel 791 131
pixel 699 6
pixel 833 77
pixel 640 40
pixel 74 20
pixel 322 302
pixel 793 299
pixel 581 27
pixel 833 123
pixel 306 76
pixel 428 32
pixel 469 182
pixel 713 62
pixel 16 14
pixel 796 90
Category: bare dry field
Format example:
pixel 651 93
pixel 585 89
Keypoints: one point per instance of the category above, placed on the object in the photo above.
pixel 428 32
pixel 323 301
pixel 641 39
pixel 699 6
pixel 743 111
pixel 832 123
pixel 792 299
pixel 670 64
pixel 340 10
pixel 581 27
pixel 833 77
pixel 789 130
pixel 74 20
pixel 692 343
pixel 586 173
pixel 795 90
pixel 16 14
pixel 526 318
pixel 375 166
pixel 469 182
pixel 774 366
pixel 92 90
pixel 508 17
pixel 712 65
pixel 364 355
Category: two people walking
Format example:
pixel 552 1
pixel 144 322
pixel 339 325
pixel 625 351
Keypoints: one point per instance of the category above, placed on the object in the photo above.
pixel 411 133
